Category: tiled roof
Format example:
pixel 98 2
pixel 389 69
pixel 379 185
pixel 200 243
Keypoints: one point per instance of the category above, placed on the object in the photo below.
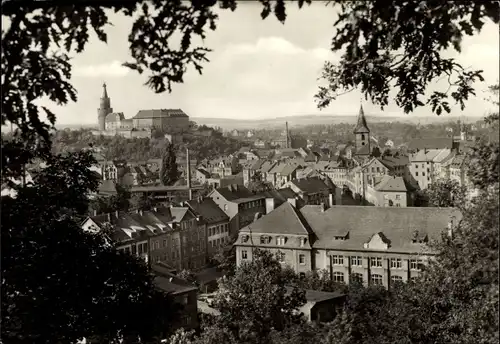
pixel 442 155
pixel 310 185
pixel 233 192
pixel 208 210
pixel 180 213
pixel 107 187
pixel 391 183
pixel 173 284
pixel 397 224
pixel 318 296
pixel 288 169
pixel 284 220
pixel 160 113
pixel 431 143
pixel 267 166
pixel 205 173
pixel 424 155
pixel 257 164
pixel 391 161
pixel 280 196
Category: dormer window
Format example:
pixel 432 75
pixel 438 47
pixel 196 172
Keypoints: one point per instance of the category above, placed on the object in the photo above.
pixel 281 240
pixel 244 238
pixel 303 242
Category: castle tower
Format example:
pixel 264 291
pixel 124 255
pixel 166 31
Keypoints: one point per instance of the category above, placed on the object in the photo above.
pixel 104 108
pixel 362 133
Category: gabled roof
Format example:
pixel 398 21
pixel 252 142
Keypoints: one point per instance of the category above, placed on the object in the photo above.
pixel 310 185
pixel 426 155
pixel 204 172
pixel 180 213
pixel 234 192
pixel 288 169
pixel 282 220
pixel 397 224
pixel 160 113
pixel 390 183
pixel 208 210
pixel 280 196
pixel 257 164
pixel 173 284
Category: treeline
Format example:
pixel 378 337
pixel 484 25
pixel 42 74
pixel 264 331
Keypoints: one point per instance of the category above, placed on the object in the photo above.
pixel 140 149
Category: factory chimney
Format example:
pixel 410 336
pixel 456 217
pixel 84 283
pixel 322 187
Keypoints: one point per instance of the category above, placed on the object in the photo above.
pixel 188 174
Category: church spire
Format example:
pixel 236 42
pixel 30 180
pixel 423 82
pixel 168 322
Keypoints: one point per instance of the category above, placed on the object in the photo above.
pixel 361 126
pixel 104 91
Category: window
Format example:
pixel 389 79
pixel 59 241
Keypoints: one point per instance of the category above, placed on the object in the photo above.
pixel 280 241
pixel 362 136
pixel 134 249
pixel 338 276
pixel 164 242
pixel 357 278
pixel 376 262
pixel 356 261
pixel 398 196
pixel 244 254
pixel 423 166
pixel 415 264
pixel 302 259
pixel 378 169
pixel 302 242
pixel 139 249
pixel 225 207
pixel 396 263
pixel 157 244
pixel 263 239
pixel 423 174
pixel 396 279
pixel 376 279
pixel 416 173
pixel 398 205
pixel 338 260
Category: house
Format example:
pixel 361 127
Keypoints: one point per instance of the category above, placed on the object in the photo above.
pixel 201 175
pixel 250 133
pixel 389 191
pixel 261 144
pixel 424 163
pixel 337 172
pixel 311 190
pixel 249 171
pixel 389 143
pixel 373 245
pixel 276 197
pixel 320 306
pixel 171 235
pixel 184 295
pixel 216 222
pixel 239 203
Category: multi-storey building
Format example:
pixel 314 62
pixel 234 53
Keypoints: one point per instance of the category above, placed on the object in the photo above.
pixel 171 235
pixel 215 220
pixel 389 191
pixel 425 165
pixel 239 204
pixel 373 245
pixel 311 190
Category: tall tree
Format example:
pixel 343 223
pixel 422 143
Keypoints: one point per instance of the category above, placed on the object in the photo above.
pixel 169 172
pixel 376 152
pixel 255 300
pixel 446 193
pixel 60 284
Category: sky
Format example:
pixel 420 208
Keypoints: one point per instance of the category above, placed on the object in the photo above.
pixel 258 69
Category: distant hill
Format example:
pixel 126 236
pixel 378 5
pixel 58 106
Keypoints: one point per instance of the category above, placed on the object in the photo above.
pixel 297 121
pixel 303 120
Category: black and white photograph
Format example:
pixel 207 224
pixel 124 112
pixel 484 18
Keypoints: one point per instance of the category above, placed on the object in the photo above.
pixel 250 172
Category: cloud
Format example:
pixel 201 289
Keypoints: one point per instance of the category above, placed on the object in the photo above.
pixel 110 70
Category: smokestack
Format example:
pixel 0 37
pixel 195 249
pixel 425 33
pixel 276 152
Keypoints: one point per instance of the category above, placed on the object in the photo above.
pixel 287 137
pixel 269 205
pixel 116 213
pixel 188 175
pixel 95 212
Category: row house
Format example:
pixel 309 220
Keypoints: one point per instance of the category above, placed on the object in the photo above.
pixel 389 191
pixel 359 177
pixel 282 173
pixel 215 220
pixel 249 171
pixel 239 203
pixel 425 165
pixel 372 245
pixel 171 235
pixel 337 172
pixel 398 165
pixel 224 166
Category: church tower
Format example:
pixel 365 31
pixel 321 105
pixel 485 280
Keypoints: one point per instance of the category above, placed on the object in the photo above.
pixel 104 108
pixel 362 134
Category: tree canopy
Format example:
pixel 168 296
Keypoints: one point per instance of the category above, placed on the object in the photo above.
pixel 169 172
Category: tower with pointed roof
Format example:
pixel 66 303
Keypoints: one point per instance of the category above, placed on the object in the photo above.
pixel 104 108
pixel 362 134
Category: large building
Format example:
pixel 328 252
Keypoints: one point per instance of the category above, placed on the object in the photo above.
pixel 362 135
pixel 373 245
pixel 171 121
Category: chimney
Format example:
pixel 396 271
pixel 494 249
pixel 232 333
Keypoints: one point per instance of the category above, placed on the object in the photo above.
pixel 323 207
pixel 293 202
pixel 140 212
pixel 109 217
pixel 331 202
pixel 95 212
pixel 269 205
pixel 188 175
pixel 338 196
pixel 116 213
pixel 155 209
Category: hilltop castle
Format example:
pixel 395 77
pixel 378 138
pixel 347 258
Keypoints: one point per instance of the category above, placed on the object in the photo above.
pixel 169 121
